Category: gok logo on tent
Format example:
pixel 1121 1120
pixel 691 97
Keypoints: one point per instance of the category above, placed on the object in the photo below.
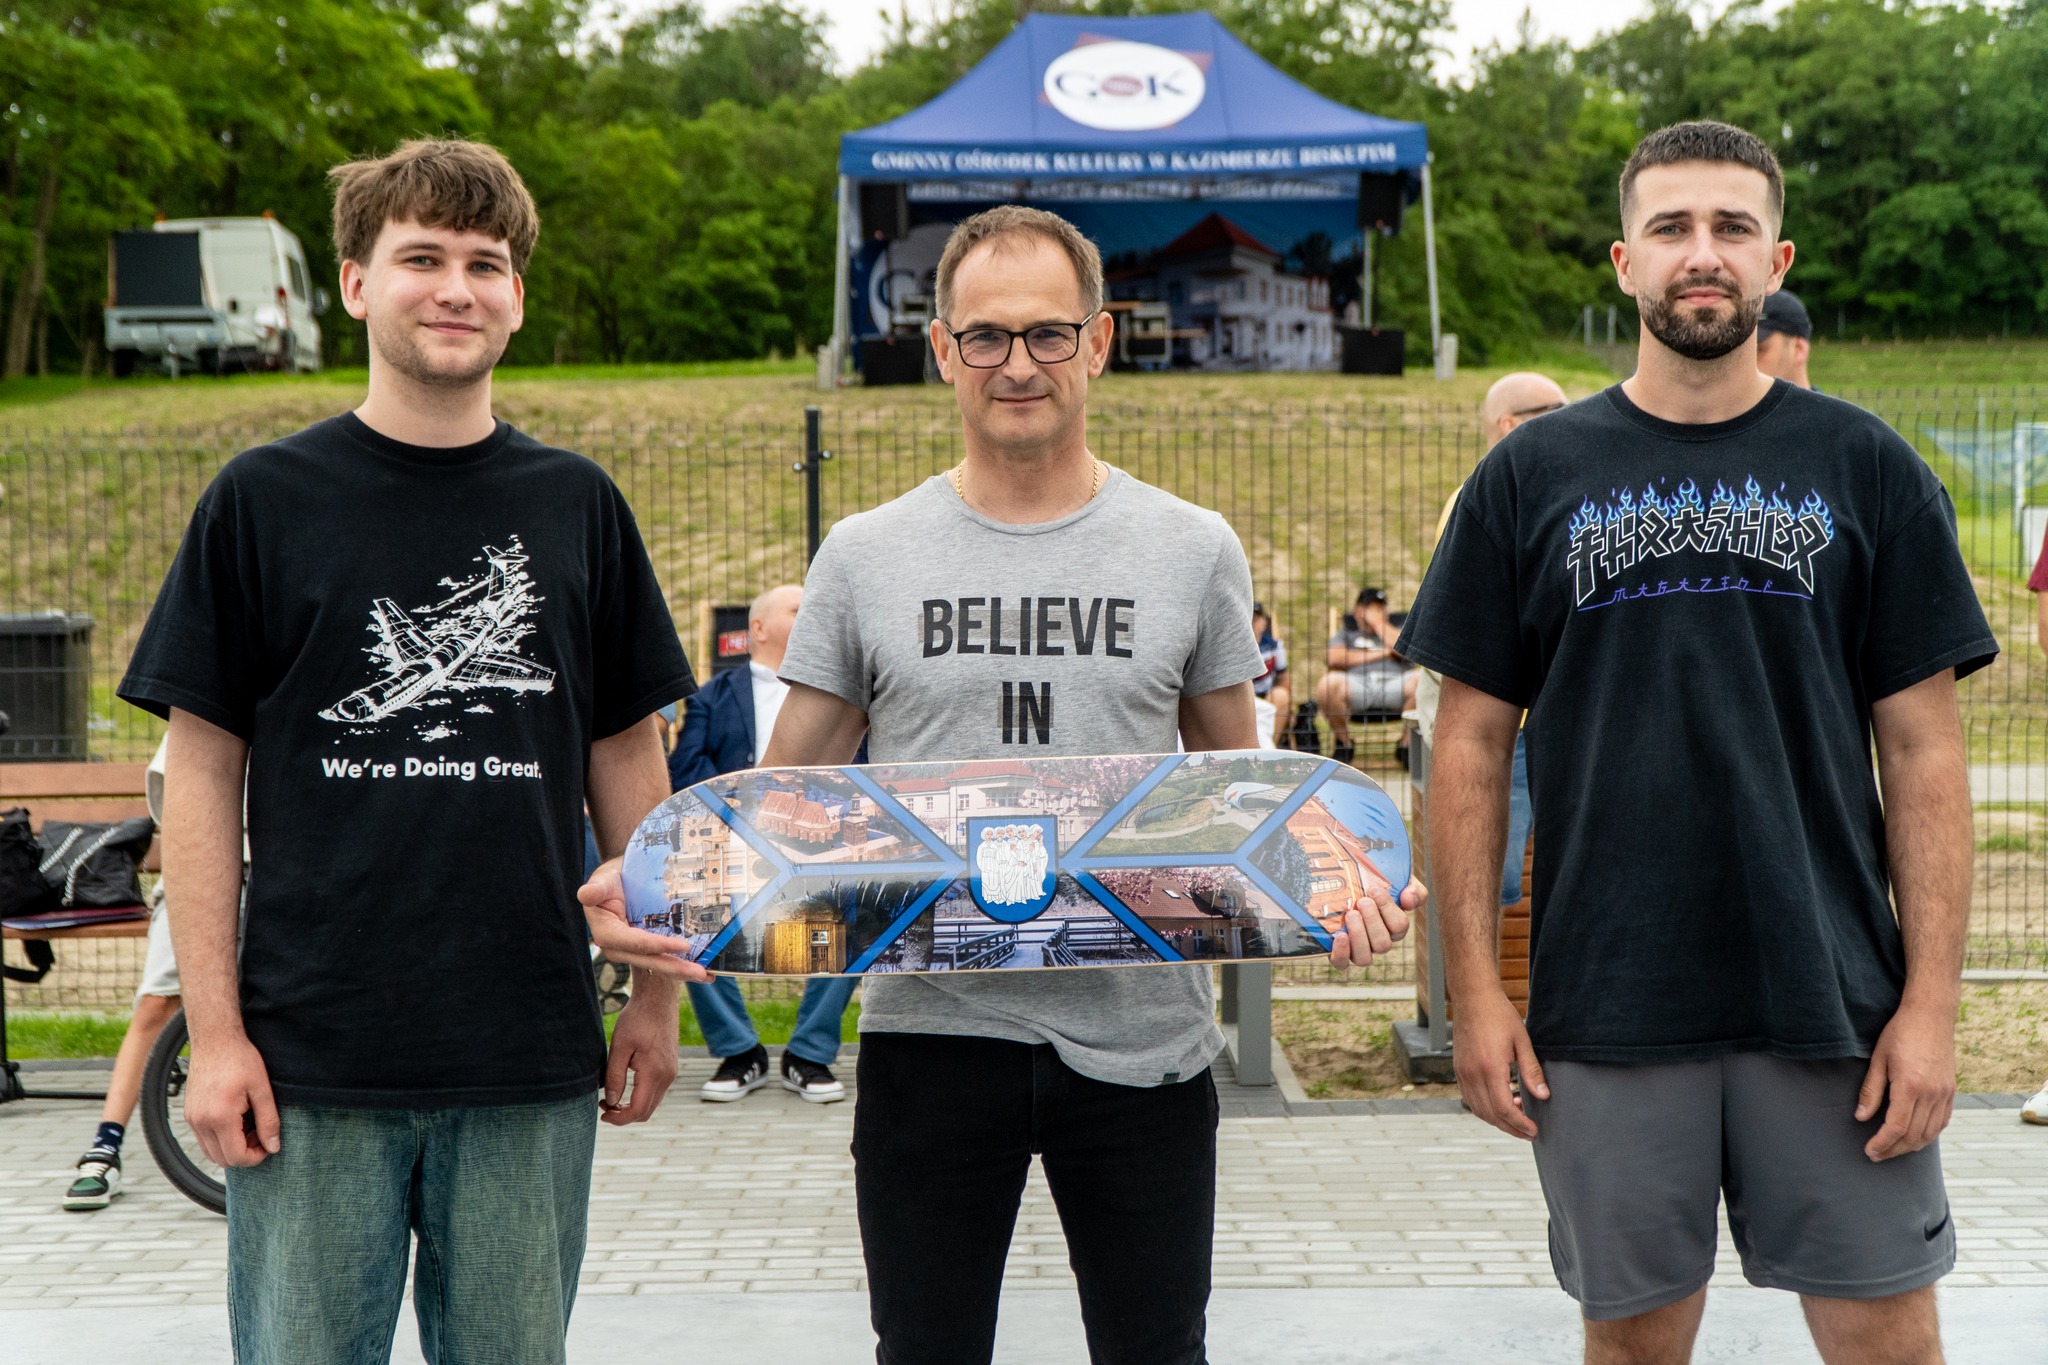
pixel 1124 87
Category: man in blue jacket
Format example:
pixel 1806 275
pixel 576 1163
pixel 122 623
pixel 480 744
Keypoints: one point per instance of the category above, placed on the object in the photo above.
pixel 726 728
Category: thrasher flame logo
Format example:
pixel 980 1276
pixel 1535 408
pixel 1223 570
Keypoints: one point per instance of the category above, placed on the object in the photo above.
pixel 1616 547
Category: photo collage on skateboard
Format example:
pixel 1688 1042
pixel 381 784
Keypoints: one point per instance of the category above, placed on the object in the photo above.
pixel 1014 864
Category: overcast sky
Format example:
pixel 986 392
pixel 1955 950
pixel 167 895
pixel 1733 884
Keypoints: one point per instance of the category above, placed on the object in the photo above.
pixel 857 25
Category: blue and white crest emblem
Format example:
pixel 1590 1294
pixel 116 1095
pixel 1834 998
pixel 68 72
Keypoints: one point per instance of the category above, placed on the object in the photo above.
pixel 1013 865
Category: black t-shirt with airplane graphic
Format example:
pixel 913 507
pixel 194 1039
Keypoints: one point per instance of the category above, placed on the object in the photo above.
pixel 419 646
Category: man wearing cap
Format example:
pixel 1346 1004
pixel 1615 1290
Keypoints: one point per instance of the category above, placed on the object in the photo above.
pixel 1365 674
pixel 1784 338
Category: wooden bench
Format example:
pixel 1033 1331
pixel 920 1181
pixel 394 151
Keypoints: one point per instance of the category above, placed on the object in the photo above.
pixel 87 792
pixel 78 791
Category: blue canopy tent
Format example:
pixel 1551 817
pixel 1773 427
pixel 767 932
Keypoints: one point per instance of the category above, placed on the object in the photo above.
pixel 1140 113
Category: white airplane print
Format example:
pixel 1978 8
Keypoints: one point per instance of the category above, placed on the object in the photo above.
pixel 467 641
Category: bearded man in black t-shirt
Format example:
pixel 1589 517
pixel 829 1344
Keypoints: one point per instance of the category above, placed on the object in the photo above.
pixel 1713 591
pixel 425 641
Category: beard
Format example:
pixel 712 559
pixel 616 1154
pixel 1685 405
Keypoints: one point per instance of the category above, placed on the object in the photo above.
pixel 398 345
pixel 1699 333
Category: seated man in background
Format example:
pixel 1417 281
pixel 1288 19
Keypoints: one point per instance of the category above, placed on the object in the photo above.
pixel 1271 686
pixel 726 728
pixel 1366 676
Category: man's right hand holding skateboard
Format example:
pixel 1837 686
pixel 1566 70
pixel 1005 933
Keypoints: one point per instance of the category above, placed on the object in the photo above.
pixel 604 908
pixel 1374 925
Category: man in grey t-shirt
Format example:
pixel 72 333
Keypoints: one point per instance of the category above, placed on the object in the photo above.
pixel 1032 603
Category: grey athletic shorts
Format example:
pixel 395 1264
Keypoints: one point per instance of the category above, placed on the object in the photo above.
pixel 1377 687
pixel 1634 1160
pixel 159 966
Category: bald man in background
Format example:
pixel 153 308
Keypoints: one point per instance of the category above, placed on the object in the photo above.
pixel 1514 399
pixel 726 729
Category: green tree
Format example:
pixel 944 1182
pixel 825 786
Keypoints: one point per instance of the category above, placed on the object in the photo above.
pixel 281 92
pixel 1909 133
pixel 88 126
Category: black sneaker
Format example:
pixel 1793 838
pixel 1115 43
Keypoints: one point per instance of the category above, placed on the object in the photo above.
pixel 737 1077
pixel 97 1183
pixel 1305 738
pixel 815 1083
pixel 1343 752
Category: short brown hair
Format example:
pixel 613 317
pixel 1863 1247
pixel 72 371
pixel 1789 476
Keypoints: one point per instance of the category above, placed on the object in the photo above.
pixel 1704 140
pixel 1016 220
pixel 437 183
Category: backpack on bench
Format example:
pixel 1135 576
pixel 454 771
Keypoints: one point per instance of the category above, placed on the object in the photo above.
pixel 24 892
pixel 96 866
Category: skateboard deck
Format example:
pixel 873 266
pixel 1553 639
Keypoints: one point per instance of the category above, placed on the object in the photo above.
pixel 1014 863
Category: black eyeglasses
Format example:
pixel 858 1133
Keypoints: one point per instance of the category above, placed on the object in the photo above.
pixel 1536 411
pixel 1049 343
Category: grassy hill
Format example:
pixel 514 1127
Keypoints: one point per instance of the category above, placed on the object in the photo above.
pixel 1329 480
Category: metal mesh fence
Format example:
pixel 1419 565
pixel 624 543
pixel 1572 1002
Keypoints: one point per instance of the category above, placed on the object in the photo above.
pixel 1326 498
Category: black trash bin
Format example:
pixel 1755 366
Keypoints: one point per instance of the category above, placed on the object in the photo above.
pixel 45 686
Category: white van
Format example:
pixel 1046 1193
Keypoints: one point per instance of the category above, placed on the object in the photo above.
pixel 221 295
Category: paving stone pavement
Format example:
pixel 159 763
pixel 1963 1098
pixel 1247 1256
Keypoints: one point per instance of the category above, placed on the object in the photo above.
pixel 757 1197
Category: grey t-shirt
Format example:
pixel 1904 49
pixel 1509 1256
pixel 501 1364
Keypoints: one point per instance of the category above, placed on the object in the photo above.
pixel 917 613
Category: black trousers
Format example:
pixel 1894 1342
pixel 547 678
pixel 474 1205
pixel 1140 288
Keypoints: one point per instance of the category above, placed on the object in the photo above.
pixel 943 1134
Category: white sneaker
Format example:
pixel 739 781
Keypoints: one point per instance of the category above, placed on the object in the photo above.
pixel 814 1082
pixel 97 1182
pixel 737 1077
pixel 2035 1110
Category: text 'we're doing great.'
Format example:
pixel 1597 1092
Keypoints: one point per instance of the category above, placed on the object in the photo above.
pixel 462 770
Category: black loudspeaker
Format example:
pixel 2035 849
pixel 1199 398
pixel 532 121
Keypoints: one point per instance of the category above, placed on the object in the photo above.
pixel 1381 199
pixel 1379 351
pixel 884 212
pixel 899 361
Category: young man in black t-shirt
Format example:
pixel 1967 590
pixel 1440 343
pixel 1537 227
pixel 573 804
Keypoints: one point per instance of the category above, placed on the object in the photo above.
pixel 427 640
pixel 1713 592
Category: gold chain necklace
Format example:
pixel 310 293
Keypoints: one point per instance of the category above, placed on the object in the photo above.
pixel 1094 480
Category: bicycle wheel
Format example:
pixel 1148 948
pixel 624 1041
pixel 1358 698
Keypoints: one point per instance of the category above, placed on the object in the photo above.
pixel 176 1150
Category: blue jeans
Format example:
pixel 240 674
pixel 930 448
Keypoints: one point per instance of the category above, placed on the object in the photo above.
pixel 1521 815
pixel 497 1199
pixel 728 1032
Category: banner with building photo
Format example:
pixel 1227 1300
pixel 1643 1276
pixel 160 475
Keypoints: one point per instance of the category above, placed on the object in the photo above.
pixel 1255 283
